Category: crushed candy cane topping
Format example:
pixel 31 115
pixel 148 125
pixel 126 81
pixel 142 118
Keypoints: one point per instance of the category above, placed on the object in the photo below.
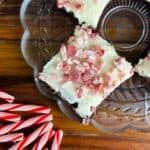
pixel 81 66
pixel 70 4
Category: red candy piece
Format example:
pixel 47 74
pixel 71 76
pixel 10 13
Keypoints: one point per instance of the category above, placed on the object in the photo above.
pixel 148 58
pixel 71 50
pixel 67 77
pixel 99 87
pixel 87 75
pixel 91 86
pixel 99 51
pixel 76 76
pixel 119 63
pixel 66 68
pixel 59 66
pixel 87 30
pixel 93 35
pixel 79 93
pixel 78 6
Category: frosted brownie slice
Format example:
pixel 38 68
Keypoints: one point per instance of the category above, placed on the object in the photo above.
pixel 85 71
pixel 87 11
pixel 143 67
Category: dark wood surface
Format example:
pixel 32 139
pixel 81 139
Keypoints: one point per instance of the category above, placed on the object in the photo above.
pixel 16 78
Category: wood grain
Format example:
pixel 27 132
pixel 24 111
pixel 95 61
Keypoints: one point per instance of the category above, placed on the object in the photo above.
pixel 16 78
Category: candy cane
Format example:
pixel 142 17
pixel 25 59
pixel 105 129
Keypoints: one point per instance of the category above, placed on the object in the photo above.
pixel 11 137
pixel 9 117
pixel 26 123
pixel 6 97
pixel 43 140
pixel 24 107
pixel 57 140
pixel 31 137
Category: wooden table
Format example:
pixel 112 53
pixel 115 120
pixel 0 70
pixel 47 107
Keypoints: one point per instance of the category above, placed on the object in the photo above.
pixel 16 78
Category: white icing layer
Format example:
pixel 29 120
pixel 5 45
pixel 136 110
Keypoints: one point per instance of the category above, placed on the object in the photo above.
pixel 143 67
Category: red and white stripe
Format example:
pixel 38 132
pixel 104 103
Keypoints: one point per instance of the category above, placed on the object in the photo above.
pixel 24 107
pixel 43 140
pixel 16 137
pixel 25 123
pixel 6 97
pixel 9 117
pixel 57 140
pixel 33 136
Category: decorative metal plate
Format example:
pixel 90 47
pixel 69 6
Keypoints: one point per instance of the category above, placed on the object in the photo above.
pixel 45 28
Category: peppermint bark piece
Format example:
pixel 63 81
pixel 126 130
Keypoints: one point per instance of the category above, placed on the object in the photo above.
pixel 143 67
pixel 86 11
pixel 85 71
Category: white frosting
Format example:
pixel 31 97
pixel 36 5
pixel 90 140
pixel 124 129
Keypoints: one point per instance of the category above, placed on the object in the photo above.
pixel 143 67
pixel 67 90
pixel 49 69
pixel 90 12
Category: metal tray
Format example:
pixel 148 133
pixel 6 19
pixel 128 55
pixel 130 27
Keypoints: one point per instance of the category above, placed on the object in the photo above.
pixel 46 27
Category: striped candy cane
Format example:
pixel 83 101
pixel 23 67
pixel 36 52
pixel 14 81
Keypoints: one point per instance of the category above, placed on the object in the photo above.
pixel 33 136
pixel 6 97
pixel 11 137
pixel 25 123
pixel 43 140
pixel 24 107
pixel 57 140
pixel 9 117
